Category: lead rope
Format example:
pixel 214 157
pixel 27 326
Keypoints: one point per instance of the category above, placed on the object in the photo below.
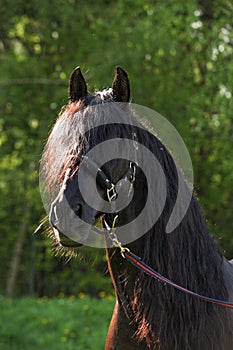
pixel 137 261
pixel 141 265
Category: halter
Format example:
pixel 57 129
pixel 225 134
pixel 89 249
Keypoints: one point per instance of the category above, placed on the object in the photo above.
pixel 111 192
pixel 103 180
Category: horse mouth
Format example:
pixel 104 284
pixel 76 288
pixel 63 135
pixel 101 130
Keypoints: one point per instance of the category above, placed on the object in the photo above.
pixel 65 241
pixel 69 229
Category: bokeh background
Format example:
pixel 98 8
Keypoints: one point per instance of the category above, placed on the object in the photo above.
pixel 179 58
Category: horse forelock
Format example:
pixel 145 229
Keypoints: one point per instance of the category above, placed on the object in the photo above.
pixel 68 136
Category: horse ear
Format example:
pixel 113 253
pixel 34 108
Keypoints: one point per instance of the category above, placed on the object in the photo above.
pixel 78 86
pixel 120 86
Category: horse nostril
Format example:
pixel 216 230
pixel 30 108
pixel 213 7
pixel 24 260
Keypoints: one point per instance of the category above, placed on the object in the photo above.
pixel 78 212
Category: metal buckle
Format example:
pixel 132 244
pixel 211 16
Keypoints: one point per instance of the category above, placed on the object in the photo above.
pixel 113 236
pixel 111 193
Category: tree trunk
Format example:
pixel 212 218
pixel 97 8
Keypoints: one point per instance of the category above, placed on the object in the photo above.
pixel 15 261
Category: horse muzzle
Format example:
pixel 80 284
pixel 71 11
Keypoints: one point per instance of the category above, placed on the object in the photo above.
pixel 64 240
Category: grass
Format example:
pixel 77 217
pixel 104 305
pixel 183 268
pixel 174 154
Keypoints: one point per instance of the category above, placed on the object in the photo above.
pixel 54 324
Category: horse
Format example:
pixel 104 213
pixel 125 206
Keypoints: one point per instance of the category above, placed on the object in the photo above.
pixel 148 314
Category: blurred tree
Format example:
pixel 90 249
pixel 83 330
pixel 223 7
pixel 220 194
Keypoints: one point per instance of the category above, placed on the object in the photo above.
pixel 178 55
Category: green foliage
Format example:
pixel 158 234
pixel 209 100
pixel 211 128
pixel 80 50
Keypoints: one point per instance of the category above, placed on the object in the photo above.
pixel 178 55
pixel 72 323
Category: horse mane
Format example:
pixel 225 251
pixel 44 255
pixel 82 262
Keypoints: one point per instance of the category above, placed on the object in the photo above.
pixel 189 256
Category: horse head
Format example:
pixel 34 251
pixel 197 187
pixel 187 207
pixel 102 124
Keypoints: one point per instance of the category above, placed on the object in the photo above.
pixel 90 182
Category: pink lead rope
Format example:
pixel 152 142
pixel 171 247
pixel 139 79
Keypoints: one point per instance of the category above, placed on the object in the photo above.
pixel 136 261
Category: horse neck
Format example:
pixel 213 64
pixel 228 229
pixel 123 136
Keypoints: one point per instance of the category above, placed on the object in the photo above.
pixel 189 257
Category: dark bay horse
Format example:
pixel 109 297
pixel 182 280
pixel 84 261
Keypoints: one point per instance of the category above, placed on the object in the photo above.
pixel 148 314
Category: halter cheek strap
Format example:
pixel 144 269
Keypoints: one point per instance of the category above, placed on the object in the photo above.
pixel 101 178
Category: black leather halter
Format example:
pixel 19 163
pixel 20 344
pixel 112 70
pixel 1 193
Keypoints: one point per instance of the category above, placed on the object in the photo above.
pixel 102 179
